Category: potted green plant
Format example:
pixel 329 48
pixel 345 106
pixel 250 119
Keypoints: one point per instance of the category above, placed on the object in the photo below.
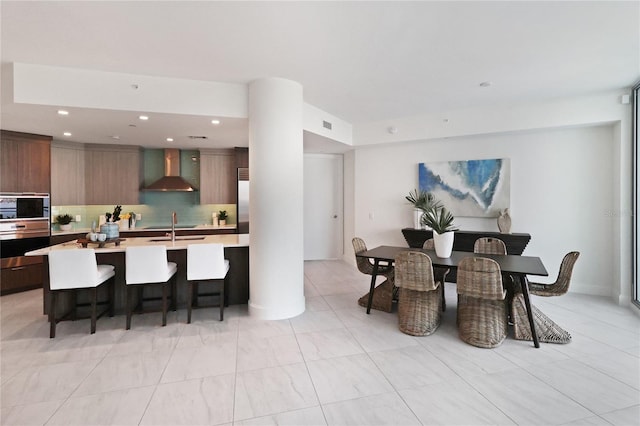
pixel 64 221
pixel 422 201
pixel 222 217
pixel 440 220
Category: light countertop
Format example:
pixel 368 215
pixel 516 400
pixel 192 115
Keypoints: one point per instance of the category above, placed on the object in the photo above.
pixel 143 229
pixel 181 243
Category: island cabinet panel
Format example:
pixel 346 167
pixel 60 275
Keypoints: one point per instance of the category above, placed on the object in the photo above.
pixel 217 176
pixel 113 174
pixel 236 284
pixel 67 174
pixel 25 162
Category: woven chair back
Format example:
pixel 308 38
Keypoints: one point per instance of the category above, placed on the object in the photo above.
pixel 429 244
pixel 481 278
pixel 413 271
pixel 363 264
pixel 489 245
pixel 561 286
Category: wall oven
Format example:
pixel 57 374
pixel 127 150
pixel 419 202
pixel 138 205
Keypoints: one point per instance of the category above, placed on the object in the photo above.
pixel 24 205
pixel 25 225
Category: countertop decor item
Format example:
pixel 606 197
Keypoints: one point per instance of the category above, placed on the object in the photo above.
pixel 64 221
pixel 222 217
pixel 111 229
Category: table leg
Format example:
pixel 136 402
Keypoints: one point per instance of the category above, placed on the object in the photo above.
pixel 524 283
pixel 374 275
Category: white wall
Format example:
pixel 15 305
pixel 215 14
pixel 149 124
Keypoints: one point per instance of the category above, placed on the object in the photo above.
pixel 562 193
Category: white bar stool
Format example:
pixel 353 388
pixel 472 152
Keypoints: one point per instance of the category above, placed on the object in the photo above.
pixel 205 263
pixel 148 265
pixel 75 269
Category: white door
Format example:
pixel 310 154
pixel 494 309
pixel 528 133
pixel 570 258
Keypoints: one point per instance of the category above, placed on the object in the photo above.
pixel 323 220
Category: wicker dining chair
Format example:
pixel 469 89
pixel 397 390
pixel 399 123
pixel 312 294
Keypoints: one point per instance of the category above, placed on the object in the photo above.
pixel 419 300
pixel 482 309
pixel 439 272
pixel 386 292
pixel 561 285
pixel 489 245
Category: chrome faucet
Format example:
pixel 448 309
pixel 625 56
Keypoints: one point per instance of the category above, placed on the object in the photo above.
pixel 174 220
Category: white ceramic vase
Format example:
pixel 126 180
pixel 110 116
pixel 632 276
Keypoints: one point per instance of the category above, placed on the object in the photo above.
pixel 417 215
pixel 443 243
pixel 66 227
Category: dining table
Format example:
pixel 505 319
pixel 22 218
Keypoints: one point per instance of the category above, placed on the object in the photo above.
pixel 515 265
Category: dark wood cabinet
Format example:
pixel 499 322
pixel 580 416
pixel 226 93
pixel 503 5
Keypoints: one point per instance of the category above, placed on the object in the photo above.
pixel 217 176
pixel 20 274
pixel 113 174
pixel 25 162
pixel 242 157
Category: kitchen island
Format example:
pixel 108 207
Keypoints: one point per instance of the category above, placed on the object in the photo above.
pixel 236 249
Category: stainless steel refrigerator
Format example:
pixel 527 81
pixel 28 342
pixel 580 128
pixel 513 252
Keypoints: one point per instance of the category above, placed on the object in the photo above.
pixel 243 201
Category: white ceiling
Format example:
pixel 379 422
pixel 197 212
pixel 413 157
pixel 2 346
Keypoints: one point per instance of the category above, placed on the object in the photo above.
pixel 360 61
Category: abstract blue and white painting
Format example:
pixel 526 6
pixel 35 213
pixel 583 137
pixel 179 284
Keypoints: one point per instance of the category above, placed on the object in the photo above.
pixel 476 188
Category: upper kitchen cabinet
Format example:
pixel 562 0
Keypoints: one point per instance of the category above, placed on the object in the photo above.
pixel 113 174
pixel 67 174
pixel 26 162
pixel 217 176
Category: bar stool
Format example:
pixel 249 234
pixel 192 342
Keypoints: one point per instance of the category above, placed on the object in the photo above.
pixel 75 269
pixel 148 265
pixel 205 263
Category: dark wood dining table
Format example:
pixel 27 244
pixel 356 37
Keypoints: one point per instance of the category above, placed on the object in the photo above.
pixel 517 266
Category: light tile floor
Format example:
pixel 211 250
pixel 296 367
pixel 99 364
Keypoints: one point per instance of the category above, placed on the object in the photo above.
pixel 331 365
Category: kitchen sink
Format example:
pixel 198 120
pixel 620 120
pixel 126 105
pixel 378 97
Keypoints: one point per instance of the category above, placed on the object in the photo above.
pixel 180 238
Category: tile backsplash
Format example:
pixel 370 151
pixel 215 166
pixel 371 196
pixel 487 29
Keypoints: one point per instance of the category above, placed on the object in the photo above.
pixel 156 214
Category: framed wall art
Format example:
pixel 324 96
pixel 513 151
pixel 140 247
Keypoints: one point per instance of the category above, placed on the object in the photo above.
pixel 472 188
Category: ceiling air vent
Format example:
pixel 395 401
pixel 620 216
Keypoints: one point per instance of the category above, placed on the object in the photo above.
pixel 198 137
pixel 326 125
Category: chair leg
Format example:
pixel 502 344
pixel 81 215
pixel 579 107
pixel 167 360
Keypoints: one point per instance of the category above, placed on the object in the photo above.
pixel 52 314
pixel 444 300
pixel 222 300
pixel 164 303
pixel 189 300
pixel 94 313
pixel 195 294
pixel 128 307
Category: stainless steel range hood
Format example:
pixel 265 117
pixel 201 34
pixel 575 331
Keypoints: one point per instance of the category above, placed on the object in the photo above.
pixel 171 181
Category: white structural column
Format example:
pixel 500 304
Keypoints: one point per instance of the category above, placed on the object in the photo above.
pixel 276 245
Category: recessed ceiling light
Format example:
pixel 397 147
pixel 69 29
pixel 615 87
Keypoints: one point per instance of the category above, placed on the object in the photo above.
pixel 485 84
pixel 215 122
pixel 63 112
pixel 169 139
pixel 115 137
pixel 143 117
pixel 67 133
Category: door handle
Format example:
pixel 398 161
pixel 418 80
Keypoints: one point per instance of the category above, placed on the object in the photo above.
pixel 335 216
